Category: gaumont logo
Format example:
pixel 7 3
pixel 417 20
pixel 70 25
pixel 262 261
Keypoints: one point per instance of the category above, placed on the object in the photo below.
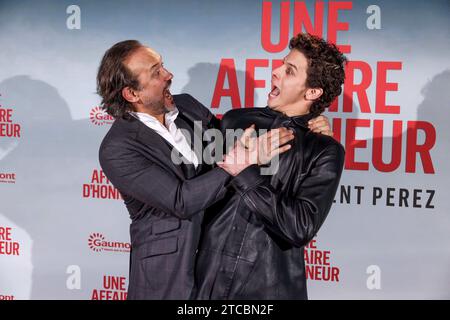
pixel 7 177
pixel 99 117
pixel 98 243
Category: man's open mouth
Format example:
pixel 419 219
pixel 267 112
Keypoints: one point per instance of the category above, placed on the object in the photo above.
pixel 275 91
pixel 167 94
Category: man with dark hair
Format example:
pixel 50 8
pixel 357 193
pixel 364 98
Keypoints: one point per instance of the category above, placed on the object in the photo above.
pixel 113 76
pixel 253 248
pixel 165 200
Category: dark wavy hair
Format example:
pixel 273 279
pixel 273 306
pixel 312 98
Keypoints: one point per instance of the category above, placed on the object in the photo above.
pixel 325 68
pixel 113 76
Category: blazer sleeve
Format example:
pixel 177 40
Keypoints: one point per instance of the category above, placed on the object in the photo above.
pixel 136 176
pixel 296 218
pixel 193 107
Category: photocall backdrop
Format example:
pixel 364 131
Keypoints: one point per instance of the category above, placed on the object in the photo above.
pixel 64 231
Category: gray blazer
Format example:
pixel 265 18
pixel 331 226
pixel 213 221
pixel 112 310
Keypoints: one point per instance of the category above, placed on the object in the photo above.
pixel 165 201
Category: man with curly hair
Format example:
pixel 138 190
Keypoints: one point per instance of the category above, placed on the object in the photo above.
pixel 254 247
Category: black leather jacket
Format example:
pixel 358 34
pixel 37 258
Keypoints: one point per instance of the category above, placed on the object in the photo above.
pixel 252 247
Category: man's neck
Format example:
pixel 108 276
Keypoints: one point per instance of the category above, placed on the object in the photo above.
pixel 161 118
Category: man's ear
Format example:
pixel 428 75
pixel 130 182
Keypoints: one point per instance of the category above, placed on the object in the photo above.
pixel 313 94
pixel 130 95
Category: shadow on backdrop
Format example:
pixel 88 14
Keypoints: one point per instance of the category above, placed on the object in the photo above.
pixel 54 156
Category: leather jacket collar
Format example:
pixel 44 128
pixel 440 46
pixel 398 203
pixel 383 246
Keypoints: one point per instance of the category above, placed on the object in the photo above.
pixel 282 120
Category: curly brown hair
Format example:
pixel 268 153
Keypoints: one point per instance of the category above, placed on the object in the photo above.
pixel 113 76
pixel 325 68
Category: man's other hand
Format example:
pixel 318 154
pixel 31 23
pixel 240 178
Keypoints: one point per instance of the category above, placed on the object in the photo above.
pixel 320 125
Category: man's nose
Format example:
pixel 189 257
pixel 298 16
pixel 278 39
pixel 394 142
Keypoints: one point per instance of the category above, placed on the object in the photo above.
pixel 276 73
pixel 169 75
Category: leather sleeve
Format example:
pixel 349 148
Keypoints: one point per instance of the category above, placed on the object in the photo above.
pixel 134 175
pixel 298 217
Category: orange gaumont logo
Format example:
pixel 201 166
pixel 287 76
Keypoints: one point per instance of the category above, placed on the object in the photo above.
pixel 97 242
pixel 99 117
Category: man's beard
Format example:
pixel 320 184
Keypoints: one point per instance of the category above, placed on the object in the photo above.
pixel 157 107
pixel 163 105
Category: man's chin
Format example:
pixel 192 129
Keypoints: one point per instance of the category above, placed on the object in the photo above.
pixel 169 106
pixel 271 104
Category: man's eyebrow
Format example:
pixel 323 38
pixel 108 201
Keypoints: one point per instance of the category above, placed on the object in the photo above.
pixel 292 65
pixel 156 64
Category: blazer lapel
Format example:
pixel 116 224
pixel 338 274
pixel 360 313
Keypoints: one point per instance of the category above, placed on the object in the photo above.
pixel 184 124
pixel 159 148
